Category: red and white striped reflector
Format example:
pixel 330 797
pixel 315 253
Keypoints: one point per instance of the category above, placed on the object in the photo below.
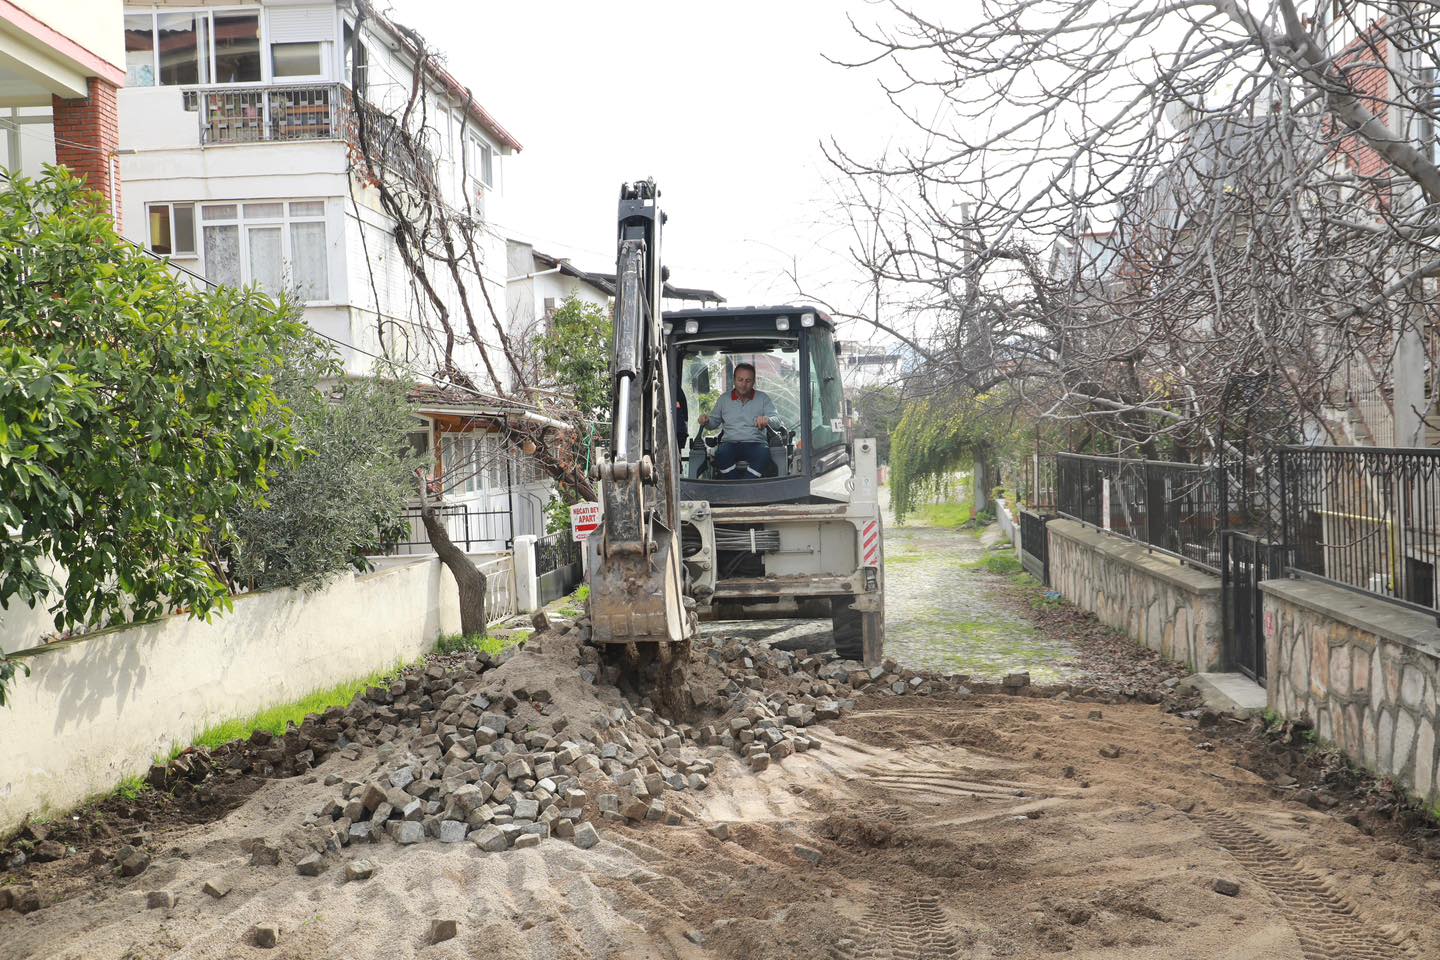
pixel 870 543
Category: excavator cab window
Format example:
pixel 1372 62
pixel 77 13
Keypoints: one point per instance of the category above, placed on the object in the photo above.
pixel 708 372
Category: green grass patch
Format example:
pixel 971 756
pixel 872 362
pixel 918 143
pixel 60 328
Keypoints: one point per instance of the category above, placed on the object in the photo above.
pixel 946 516
pixel 131 788
pixel 494 643
pixel 277 719
pixel 1005 564
pixel 581 594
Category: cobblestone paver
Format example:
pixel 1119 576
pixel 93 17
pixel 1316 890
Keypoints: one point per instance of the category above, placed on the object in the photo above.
pixel 940 614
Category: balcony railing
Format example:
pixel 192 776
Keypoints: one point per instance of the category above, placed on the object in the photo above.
pixel 266 112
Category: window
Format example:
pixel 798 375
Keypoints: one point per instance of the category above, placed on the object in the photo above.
pixel 183 42
pixel 463 460
pixel 182 48
pixel 139 50
pixel 237 48
pixel 274 245
pixel 297 59
pixel 827 397
pixel 357 60
pixel 172 229
pixel 494 463
pixel 482 162
pixel 418 440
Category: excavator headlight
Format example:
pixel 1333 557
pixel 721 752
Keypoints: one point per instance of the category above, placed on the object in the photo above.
pixel 782 323
pixel 692 326
pixel 669 328
pixel 807 319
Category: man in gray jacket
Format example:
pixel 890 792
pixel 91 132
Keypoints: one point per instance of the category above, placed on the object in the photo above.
pixel 744 414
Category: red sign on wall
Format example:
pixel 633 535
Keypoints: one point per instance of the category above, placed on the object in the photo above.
pixel 1269 624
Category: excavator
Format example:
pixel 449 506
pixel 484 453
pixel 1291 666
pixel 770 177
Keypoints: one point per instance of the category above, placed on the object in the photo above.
pixel 679 539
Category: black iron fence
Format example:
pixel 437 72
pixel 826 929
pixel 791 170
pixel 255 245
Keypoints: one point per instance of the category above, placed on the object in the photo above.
pixel 1364 518
pixel 555 550
pixel 470 529
pixel 1036 487
pixel 1246 561
pixel 557 566
pixel 1175 508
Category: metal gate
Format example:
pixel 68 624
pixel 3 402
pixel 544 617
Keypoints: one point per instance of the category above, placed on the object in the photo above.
pixel 1244 562
pixel 1035 545
pixel 557 566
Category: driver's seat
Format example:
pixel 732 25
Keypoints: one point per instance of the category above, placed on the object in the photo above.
pixel 702 459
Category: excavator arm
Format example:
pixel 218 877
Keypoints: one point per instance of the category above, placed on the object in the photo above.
pixel 637 584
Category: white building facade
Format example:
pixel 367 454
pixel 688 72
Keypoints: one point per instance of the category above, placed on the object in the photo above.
pixel 238 158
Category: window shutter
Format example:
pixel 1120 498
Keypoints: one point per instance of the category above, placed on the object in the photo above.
pixel 302 24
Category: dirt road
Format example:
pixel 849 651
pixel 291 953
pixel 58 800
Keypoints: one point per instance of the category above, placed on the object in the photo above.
pixel 941 615
pixel 943 829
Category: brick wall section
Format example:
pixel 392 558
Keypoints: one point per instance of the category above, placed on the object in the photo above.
pixel 87 133
pixel 1362 66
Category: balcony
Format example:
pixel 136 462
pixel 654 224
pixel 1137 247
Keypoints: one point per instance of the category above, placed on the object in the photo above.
pixel 264 113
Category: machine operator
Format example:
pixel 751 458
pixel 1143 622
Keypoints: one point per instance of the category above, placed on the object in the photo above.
pixel 744 413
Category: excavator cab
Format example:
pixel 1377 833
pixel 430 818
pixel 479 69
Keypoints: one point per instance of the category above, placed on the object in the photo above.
pixel 794 353
pixel 803 537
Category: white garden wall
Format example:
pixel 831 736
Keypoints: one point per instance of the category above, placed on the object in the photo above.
pixel 96 712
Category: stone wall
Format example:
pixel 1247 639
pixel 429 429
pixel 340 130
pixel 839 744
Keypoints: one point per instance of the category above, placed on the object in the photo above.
pixel 1366 673
pixel 1172 609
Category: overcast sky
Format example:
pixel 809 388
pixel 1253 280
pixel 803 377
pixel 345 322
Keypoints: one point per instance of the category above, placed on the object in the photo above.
pixel 723 104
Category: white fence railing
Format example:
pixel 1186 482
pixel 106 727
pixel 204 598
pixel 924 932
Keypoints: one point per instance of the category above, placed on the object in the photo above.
pixel 1369 398
pixel 499 587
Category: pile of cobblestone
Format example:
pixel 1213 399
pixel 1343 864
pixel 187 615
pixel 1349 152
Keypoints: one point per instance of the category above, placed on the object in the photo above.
pixel 543 746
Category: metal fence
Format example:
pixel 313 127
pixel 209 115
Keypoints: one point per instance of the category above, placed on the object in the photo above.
pixel 470 530
pixel 1036 488
pixel 1364 518
pixel 254 114
pixel 1246 561
pixel 1368 394
pixel 1175 508
pixel 500 600
pixel 557 566
pixel 1035 545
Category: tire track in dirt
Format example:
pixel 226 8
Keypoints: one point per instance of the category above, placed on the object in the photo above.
pixel 910 928
pixel 1328 926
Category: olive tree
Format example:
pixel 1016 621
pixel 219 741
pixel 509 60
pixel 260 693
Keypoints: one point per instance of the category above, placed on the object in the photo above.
pixel 342 497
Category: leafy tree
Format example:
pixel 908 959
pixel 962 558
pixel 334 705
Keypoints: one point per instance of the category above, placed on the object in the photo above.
pixel 325 509
pixel 136 413
pixel 938 435
pixel 575 353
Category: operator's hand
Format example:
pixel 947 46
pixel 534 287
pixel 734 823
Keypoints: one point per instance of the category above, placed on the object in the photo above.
pixel 762 422
pixel 704 419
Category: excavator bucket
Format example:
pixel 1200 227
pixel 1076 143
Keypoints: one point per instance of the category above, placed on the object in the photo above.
pixel 635 599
